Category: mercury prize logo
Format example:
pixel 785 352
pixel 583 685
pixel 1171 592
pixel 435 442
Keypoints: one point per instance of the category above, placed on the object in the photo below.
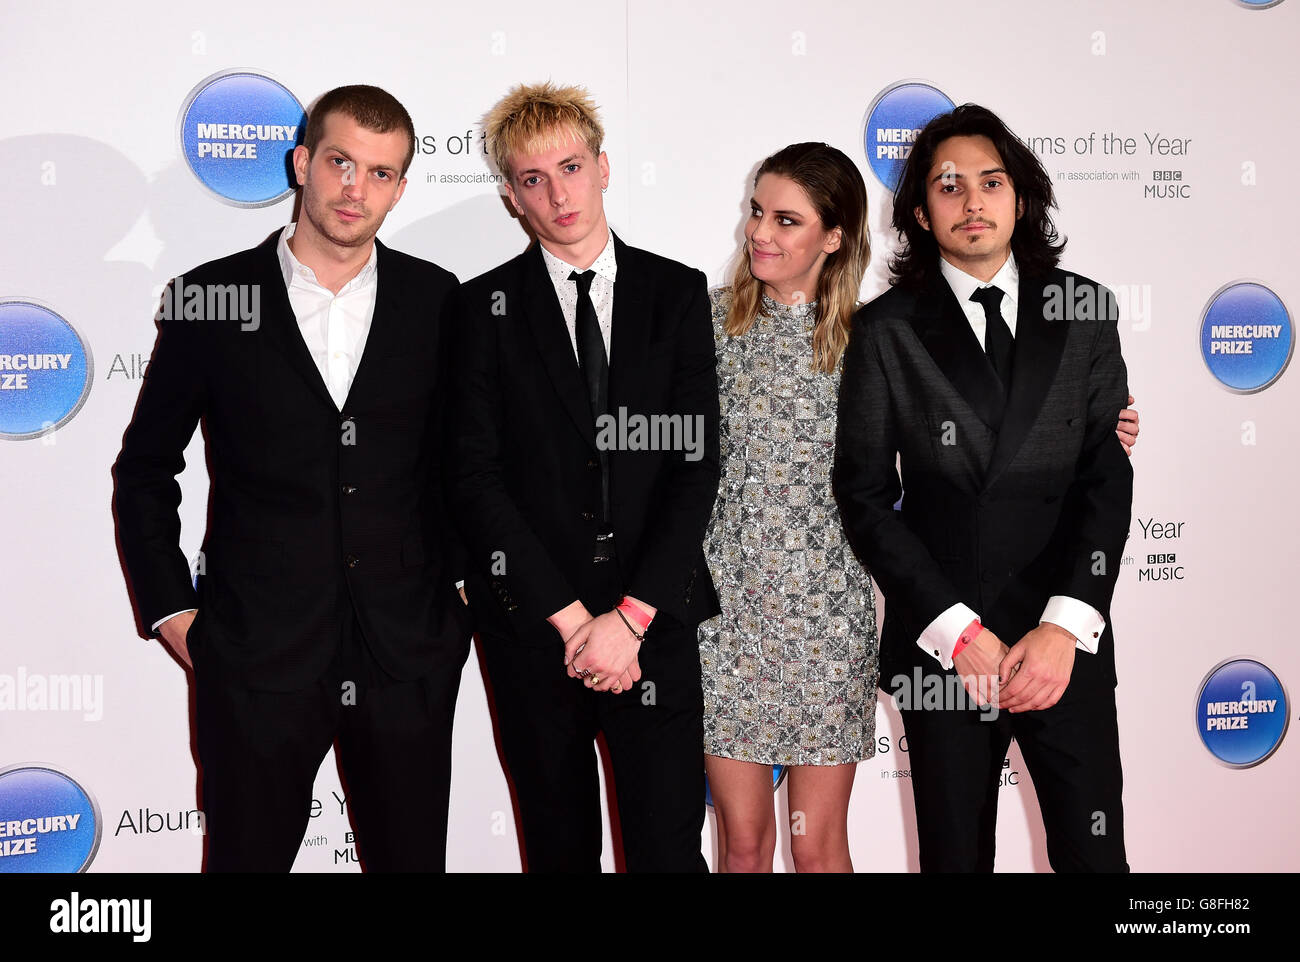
pixel 1246 336
pixel 45 370
pixel 1241 712
pixel 893 120
pixel 237 130
pixel 48 823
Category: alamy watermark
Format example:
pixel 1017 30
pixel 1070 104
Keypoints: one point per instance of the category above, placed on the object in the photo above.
pixel 211 302
pixel 655 432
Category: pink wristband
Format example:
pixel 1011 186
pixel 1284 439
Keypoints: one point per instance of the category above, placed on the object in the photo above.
pixel 636 613
pixel 967 636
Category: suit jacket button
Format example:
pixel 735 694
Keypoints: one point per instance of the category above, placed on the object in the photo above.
pixel 587 516
pixel 352 561
pixel 349 489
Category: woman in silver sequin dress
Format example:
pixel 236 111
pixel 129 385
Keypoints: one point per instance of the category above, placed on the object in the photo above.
pixel 790 666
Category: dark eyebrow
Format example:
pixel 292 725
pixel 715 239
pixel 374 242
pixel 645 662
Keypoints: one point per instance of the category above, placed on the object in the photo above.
pixel 957 176
pixel 537 170
pixel 348 157
pixel 779 213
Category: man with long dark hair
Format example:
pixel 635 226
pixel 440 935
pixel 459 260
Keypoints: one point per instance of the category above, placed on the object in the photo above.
pixel 996 379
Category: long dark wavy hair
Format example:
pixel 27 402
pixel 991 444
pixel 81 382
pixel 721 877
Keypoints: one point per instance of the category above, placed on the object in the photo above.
pixel 1034 242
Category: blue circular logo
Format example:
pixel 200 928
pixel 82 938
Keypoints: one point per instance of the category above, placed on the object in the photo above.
pixel 45 370
pixel 48 823
pixel 1259 4
pixel 778 776
pixel 894 119
pixel 1246 336
pixel 1241 712
pixel 237 130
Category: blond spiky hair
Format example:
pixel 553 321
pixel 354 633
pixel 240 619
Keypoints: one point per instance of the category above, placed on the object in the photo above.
pixel 541 116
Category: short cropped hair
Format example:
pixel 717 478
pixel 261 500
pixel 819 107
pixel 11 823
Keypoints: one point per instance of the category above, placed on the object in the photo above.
pixel 541 116
pixel 373 108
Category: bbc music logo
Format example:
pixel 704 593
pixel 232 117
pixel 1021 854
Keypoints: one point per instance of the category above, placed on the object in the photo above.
pixel 892 122
pixel 46 370
pixel 237 130
pixel 48 822
pixel 1247 337
pixel 1242 712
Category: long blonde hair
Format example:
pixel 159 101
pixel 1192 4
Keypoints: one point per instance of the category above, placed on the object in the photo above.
pixel 835 188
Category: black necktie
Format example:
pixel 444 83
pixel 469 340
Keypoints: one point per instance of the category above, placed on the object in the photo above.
pixel 595 368
pixel 997 336
pixel 591 346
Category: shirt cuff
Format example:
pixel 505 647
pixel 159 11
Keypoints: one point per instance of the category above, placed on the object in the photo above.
pixel 170 617
pixel 941 636
pixel 1078 618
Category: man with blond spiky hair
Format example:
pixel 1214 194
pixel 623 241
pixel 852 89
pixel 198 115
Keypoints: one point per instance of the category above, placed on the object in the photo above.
pixel 586 570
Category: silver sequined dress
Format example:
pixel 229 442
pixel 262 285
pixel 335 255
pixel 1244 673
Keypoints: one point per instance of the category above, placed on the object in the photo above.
pixel 790 667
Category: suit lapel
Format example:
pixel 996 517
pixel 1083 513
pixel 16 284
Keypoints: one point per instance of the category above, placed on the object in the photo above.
pixel 383 338
pixel 280 325
pixel 943 330
pixel 630 334
pixel 1038 347
pixel 546 323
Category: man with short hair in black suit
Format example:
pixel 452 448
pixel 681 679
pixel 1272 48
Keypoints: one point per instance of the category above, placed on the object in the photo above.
pixel 995 378
pixel 588 467
pixel 326 609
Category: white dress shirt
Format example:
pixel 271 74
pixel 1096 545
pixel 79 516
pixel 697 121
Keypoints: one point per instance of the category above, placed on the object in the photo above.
pixel 1080 619
pixel 602 291
pixel 334 326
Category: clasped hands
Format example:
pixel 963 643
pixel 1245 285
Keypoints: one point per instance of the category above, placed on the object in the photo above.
pixel 1030 676
pixel 600 650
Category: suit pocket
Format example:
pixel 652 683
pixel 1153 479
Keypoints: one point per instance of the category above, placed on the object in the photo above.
pixel 192 642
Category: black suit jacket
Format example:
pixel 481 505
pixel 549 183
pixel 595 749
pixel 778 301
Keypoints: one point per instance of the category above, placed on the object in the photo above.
pixel 310 507
pixel 1007 500
pixel 529 490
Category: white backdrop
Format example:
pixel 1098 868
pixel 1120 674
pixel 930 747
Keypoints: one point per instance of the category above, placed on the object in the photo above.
pixel 102 209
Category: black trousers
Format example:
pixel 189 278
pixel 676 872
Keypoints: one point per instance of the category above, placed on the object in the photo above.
pixel 260 752
pixel 548 723
pixel 1072 753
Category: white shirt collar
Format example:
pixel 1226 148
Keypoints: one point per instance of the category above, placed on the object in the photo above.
pixel 964 285
pixel 291 267
pixel 605 265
